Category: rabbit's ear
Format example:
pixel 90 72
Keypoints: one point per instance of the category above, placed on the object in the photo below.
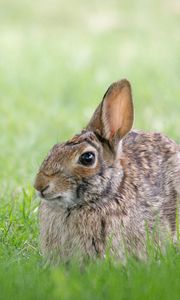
pixel 114 116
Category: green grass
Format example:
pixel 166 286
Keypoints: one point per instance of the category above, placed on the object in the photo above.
pixel 56 61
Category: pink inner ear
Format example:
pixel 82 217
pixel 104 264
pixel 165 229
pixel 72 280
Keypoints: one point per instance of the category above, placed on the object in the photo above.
pixel 117 113
pixel 110 117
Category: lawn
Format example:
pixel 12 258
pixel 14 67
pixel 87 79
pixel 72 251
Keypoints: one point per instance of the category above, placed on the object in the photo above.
pixel 56 61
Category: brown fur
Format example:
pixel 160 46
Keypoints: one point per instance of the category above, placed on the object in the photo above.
pixel 132 187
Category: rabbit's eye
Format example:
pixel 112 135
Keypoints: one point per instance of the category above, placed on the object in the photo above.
pixel 87 159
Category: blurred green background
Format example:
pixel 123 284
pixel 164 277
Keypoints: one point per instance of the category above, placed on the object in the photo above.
pixel 57 58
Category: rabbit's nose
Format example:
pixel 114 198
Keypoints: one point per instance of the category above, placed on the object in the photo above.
pixel 42 191
pixel 41 185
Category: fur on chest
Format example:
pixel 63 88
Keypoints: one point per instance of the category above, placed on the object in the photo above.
pixel 83 232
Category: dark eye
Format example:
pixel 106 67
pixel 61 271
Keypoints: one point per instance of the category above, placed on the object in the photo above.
pixel 87 159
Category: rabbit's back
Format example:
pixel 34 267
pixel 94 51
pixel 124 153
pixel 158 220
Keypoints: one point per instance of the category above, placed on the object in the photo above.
pixel 152 173
pixel 151 162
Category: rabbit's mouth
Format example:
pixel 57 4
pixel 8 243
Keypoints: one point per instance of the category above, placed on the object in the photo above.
pixel 66 199
pixel 47 197
pixel 57 198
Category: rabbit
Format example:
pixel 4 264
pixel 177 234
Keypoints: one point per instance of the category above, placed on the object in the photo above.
pixel 107 187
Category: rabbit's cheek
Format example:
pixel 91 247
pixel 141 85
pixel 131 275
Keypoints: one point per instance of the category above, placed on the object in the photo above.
pixel 61 185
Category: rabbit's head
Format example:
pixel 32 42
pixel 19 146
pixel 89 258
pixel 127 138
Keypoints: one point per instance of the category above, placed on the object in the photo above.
pixel 87 167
